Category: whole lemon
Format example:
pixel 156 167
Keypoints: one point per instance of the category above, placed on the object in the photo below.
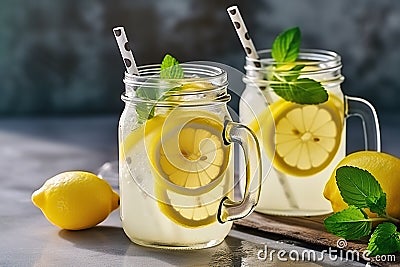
pixel 75 200
pixel 384 167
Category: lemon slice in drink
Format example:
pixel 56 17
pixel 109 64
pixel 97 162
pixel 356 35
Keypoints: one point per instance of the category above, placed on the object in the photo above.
pixel 197 86
pixel 190 161
pixel 306 137
pixel 149 131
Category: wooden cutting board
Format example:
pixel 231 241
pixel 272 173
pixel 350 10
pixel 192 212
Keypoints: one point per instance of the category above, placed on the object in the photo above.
pixel 307 229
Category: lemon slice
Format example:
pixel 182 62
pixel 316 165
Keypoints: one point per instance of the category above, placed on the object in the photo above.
pixel 190 89
pixel 150 130
pixel 193 156
pixel 195 210
pixel 306 137
pixel 197 86
pixel 191 162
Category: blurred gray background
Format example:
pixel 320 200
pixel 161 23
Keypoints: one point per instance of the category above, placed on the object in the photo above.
pixel 60 57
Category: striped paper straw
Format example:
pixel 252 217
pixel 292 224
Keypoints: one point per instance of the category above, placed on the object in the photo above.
pixel 251 52
pixel 124 48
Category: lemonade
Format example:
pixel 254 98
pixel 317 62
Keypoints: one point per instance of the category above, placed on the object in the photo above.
pixel 302 142
pixel 161 213
pixel 299 155
pixel 176 161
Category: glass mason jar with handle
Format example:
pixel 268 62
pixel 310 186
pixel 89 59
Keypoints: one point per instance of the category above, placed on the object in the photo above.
pixel 304 142
pixel 176 173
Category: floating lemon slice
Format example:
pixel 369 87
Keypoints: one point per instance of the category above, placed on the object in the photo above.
pixel 197 86
pixel 190 161
pixel 149 131
pixel 198 159
pixel 189 89
pixel 306 137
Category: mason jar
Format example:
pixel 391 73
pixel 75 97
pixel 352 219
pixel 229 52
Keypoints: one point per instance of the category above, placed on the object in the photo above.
pixel 176 173
pixel 302 141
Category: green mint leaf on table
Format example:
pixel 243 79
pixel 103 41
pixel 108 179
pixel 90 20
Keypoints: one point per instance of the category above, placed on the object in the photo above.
pixel 286 84
pixel 359 188
pixel 351 223
pixel 286 46
pixel 170 68
pixel 384 240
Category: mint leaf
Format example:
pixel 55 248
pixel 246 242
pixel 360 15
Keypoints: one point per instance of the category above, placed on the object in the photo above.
pixel 286 46
pixel 294 73
pixel 145 110
pixel 286 84
pixel 351 223
pixel 360 188
pixel 384 240
pixel 301 91
pixel 148 93
pixel 170 68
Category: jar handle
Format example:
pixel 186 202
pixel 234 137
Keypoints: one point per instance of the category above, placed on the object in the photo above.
pixel 230 210
pixel 363 109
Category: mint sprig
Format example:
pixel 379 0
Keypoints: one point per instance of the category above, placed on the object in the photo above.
pixel 145 110
pixel 285 49
pixel 360 190
pixel 286 45
pixel 301 91
pixel 170 69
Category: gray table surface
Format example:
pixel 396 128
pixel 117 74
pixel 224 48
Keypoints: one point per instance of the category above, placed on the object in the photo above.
pixel 34 149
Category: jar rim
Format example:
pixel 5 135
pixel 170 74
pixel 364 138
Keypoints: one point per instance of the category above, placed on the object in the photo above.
pixel 152 70
pixel 313 57
pixel 174 103
pixel 322 65
pixel 149 77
